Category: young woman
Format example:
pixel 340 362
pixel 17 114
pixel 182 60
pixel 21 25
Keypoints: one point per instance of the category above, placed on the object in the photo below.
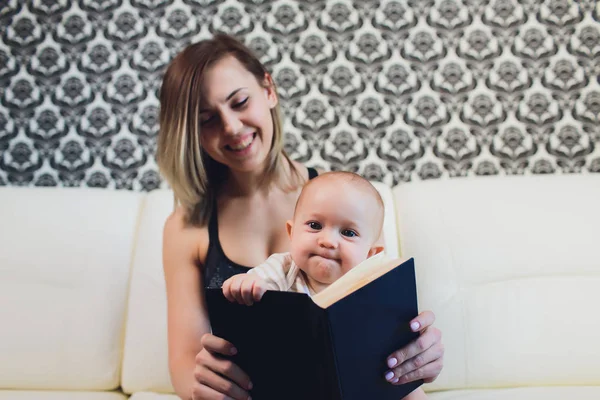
pixel 220 147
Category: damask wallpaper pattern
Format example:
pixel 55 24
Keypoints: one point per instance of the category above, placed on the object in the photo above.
pixel 396 90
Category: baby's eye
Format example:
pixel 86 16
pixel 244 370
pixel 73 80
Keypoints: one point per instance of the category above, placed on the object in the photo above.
pixel 314 225
pixel 349 233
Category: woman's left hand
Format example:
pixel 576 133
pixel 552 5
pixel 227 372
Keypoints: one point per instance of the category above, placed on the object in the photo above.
pixel 420 359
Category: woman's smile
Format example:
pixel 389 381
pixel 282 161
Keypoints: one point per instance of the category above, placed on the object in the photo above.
pixel 243 145
pixel 242 142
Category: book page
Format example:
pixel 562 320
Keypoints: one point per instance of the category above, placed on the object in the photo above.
pixel 365 272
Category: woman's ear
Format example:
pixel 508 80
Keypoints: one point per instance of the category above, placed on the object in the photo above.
pixel 269 86
pixel 288 226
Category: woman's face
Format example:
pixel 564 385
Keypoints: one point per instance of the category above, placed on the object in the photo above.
pixel 236 126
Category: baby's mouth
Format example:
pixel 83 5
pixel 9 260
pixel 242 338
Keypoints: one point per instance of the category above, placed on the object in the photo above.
pixel 325 257
pixel 242 144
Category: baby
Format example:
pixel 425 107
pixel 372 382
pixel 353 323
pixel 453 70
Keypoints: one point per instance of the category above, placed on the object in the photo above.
pixel 337 223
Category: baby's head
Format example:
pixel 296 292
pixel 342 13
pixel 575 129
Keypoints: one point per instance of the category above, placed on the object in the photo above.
pixel 336 226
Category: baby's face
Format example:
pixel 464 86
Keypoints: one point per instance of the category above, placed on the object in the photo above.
pixel 332 231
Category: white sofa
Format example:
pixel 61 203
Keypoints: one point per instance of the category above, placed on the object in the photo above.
pixel 508 264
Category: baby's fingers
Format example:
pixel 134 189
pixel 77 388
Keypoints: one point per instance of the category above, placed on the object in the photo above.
pixel 227 290
pixel 258 290
pixel 246 292
pixel 236 289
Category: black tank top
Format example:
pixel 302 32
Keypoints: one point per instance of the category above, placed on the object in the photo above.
pixel 218 267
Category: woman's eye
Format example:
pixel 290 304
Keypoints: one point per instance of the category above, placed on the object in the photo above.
pixel 314 225
pixel 206 121
pixel 241 103
pixel 349 233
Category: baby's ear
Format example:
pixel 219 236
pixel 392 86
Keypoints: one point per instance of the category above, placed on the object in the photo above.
pixel 375 249
pixel 288 226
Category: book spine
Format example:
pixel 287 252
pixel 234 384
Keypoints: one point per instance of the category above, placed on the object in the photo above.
pixel 328 377
pixel 339 393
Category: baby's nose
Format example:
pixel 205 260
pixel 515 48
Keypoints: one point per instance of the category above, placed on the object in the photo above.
pixel 328 240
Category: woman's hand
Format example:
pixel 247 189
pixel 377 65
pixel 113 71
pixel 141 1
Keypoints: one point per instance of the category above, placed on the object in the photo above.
pixel 216 376
pixel 420 359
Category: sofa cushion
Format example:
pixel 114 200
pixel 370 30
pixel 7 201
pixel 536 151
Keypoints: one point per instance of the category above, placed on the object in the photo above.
pixel 510 267
pixel 145 361
pixel 152 396
pixel 64 270
pixel 533 393
pixel 58 395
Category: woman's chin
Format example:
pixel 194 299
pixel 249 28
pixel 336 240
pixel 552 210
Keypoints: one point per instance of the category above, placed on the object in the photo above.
pixel 255 163
pixel 248 166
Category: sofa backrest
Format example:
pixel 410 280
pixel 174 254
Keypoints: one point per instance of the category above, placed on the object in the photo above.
pixel 145 358
pixel 510 267
pixel 64 276
pixel 145 362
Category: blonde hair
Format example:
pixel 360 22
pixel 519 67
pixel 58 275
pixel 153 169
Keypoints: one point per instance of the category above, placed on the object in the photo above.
pixel 192 174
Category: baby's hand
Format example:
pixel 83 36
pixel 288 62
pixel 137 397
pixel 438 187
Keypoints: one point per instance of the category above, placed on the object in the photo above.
pixel 244 288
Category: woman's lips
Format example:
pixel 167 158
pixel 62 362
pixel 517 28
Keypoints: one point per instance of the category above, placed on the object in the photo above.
pixel 242 143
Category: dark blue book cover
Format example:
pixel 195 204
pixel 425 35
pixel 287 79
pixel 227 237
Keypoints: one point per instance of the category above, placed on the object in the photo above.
pixel 293 349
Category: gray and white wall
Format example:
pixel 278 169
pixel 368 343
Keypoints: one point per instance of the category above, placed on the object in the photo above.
pixel 397 90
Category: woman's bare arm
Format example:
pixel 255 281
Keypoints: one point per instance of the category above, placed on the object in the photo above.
pixel 197 368
pixel 187 317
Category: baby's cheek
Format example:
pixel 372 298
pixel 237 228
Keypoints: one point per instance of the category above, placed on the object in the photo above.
pixel 358 256
pixel 297 254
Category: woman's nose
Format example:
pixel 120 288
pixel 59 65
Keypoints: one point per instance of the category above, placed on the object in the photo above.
pixel 231 123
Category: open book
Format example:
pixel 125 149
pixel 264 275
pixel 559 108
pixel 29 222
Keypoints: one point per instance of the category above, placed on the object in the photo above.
pixel 332 346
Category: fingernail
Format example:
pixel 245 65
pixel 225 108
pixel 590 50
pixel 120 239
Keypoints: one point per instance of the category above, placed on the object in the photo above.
pixel 389 375
pixel 415 326
pixel 396 380
pixel 392 362
pixel 233 350
pixel 249 385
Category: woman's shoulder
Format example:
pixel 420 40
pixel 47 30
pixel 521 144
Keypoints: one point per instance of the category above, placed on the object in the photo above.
pixel 304 171
pixel 182 236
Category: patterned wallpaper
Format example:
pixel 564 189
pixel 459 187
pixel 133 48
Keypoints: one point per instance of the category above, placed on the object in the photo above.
pixel 397 90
